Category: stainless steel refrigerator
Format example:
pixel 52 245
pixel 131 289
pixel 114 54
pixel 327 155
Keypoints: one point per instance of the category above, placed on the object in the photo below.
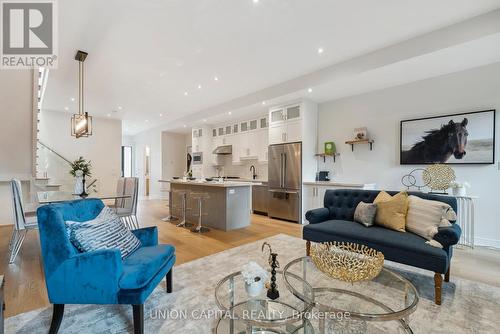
pixel 285 181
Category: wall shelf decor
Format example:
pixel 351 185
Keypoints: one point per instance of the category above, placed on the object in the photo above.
pixel 324 155
pixel 358 142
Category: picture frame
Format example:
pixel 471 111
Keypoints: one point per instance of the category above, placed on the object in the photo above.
pixel 466 138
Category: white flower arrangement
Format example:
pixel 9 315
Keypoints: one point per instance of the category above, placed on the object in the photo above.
pixel 252 273
pixel 459 185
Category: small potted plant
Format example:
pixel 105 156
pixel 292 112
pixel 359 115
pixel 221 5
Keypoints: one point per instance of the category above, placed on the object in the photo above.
pixel 254 276
pixel 80 169
pixel 459 188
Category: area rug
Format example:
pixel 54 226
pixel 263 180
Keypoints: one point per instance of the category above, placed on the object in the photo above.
pixel 468 307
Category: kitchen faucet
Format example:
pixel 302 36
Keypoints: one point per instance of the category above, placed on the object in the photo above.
pixel 252 169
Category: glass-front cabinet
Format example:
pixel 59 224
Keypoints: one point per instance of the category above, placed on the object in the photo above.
pixel 277 116
pixel 293 112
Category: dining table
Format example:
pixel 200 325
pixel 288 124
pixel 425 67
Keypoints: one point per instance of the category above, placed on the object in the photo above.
pixel 49 197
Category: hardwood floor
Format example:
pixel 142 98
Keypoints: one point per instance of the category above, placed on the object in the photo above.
pixel 24 280
pixel 25 286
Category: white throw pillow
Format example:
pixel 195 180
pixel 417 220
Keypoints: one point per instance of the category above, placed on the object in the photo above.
pixel 425 216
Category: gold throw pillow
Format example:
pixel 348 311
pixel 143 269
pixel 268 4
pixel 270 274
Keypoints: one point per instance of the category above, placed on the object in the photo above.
pixel 391 210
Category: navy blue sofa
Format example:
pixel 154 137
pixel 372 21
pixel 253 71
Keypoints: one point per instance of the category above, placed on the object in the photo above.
pixel 335 222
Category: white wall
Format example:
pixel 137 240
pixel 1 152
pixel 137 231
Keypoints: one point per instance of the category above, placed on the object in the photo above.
pixel 173 146
pixel 16 133
pixel 103 148
pixel 381 111
pixel 151 139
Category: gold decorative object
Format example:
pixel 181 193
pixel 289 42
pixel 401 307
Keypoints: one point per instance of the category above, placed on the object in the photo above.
pixel 347 261
pixel 439 177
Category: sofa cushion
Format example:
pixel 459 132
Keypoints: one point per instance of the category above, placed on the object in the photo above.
pixel 365 213
pixel 342 202
pixel 143 265
pixel 425 216
pixel 406 248
pixel 391 210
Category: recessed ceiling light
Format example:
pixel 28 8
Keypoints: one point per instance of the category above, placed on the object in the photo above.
pixel 216 78
pixel 263 103
pixel 184 125
pixel 310 90
pixel 161 115
pixel 120 107
pixel 186 93
pixel 205 120
pixel 66 108
pixel 109 115
pixel 147 121
pixel 72 99
pixel 321 50
pixel 255 1
pixel 229 113
pixel 199 87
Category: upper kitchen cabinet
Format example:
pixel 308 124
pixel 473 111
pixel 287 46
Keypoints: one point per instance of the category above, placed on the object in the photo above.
pixel 288 123
pixel 277 116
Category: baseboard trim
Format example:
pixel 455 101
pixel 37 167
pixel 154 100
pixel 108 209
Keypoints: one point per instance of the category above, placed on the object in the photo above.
pixel 487 242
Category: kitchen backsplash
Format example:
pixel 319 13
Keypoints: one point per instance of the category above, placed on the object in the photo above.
pixel 243 170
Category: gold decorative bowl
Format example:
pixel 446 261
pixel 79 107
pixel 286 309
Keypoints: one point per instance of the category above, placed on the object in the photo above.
pixel 347 261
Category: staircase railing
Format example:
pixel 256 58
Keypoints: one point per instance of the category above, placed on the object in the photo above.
pixel 55 167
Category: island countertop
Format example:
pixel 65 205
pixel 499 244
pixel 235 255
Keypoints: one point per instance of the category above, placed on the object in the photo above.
pixel 225 184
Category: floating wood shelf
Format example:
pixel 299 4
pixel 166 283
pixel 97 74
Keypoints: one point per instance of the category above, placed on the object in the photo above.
pixel 324 155
pixel 358 142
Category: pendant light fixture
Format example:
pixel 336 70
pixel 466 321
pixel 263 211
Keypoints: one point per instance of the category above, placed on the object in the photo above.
pixel 81 123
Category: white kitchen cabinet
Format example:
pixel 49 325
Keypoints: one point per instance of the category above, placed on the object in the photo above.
pixel 293 131
pixel 236 142
pixel 262 146
pixel 276 134
pixel 277 116
pixel 310 199
pixel 286 128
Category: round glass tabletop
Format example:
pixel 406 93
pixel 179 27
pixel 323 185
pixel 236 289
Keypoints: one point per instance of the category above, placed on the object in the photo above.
pixel 231 326
pixel 231 296
pixel 389 296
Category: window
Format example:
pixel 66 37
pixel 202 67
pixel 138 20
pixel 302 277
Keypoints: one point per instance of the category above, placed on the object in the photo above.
pixel 126 161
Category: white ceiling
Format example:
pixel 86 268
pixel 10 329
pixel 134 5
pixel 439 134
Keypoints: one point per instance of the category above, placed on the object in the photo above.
pixel 144 55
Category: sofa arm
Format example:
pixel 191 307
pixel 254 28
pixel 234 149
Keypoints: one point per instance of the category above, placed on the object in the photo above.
pixel 448 236
pixel 86 278
pixel 148 236
pixel 317 215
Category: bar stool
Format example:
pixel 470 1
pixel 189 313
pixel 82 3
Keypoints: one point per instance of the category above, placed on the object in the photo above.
pixel 170 217
pixel 200 197
pixel 183 194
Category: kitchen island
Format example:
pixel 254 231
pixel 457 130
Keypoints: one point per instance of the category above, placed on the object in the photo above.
pixel 227 208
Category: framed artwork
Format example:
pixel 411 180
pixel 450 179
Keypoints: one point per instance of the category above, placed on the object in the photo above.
pixel 466 138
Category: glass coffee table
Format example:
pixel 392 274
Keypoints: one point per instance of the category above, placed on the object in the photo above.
pixel 386 301
pixel 249 315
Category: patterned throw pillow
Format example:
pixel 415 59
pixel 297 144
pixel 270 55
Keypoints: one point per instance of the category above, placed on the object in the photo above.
pixel 106 231
pixel 365 213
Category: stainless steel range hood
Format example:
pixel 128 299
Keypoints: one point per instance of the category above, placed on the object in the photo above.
pixel 223 150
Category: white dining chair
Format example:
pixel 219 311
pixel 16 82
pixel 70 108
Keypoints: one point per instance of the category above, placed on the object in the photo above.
pixel 126 208
pixel 22 223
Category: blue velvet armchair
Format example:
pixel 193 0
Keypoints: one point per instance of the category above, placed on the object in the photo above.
pixel 99 277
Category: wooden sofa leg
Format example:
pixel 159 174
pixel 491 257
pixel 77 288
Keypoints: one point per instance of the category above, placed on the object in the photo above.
pixel 308 248
pixel 57 316
pixel 169 281
pixel 138 311
pixel 438 283
pixel 447 275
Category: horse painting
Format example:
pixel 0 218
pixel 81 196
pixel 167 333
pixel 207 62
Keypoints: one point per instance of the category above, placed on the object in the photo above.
pixel 437 146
